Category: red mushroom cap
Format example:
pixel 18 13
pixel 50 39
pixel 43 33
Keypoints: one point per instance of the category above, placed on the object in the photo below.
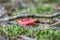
pixel 25 21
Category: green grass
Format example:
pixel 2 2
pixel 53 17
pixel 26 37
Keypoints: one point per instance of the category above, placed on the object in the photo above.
pixel 39 34
pixel 39 9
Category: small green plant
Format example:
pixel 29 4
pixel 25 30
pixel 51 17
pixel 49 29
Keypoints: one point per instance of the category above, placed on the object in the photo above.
pixel 43 8
pixel 39 34
pixel 39 9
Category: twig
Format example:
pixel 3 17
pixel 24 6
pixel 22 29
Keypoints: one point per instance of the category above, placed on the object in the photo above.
pixel 26 38
pixel 30 15
pixel 38 15
pixel 58 21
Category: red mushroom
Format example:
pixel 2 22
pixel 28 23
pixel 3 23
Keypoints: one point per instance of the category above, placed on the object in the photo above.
pixel 25 21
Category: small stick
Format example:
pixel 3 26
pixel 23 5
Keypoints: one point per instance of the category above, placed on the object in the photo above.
pixel 30 15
